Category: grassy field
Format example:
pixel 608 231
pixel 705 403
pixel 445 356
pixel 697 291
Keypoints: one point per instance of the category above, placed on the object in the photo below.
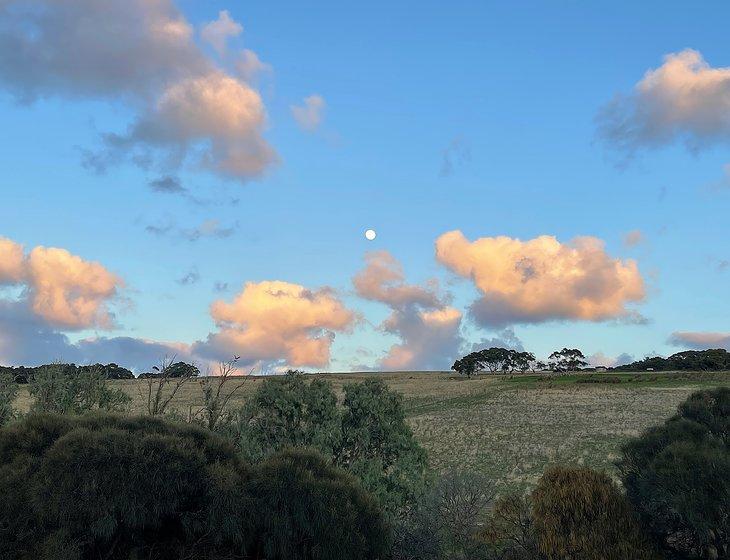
pixel 511 427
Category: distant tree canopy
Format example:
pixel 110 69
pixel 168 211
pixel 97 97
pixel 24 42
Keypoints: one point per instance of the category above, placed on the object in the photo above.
pixel 368 436
pixel 567 359
pixel 716 359
pixel 495 360
pixel 22 374
pixel 125 488
pixel 172 370
pixel 677 477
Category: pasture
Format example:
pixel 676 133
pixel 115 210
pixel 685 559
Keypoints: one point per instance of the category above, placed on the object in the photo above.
pixel 509 427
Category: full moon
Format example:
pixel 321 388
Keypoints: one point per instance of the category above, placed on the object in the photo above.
pixel 370 234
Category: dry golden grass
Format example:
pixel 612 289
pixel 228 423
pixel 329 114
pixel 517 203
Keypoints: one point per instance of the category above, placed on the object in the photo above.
pixel 502 426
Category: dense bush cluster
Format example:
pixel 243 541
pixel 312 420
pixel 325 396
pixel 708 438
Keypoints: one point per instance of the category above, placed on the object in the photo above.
pixel 24 374
pixel 87 487
pixel 368 436
pixel 678 478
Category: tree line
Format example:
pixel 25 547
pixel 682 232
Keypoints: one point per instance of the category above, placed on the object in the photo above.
pixel 506 360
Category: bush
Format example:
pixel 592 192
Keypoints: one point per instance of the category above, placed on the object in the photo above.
pixel 580 513
pixel 104 486
pixel 309 509
pixel 57 392
pixel 369 437
pixel 114 487
pixel 8 393
pixel 509 529
pixel 678 478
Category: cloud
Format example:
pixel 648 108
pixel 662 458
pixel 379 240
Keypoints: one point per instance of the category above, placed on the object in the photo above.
pixel 249 67
pixel 64 289
pixel 633 238
pixel 218 32
pixel 428 328
pixel 309 115
pixel 167 184
pixel 542 279
pixel 211 228
pixel 277 321
pixel 141 53
pixel 683 100
pixel 27 339
pixel 700 340
pixel 12 262
pixel 504 339
pixel 455 155
pixel 600 359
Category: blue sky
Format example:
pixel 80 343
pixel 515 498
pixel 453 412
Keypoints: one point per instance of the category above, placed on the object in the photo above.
pixel 508 92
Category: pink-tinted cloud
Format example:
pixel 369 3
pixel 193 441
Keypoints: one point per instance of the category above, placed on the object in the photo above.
pixel 142 53
pixel 428 329
pixel 12 262
pixel 63 289
pixel 700 340
pixel 633 238
pixel 277 321
pixel 685 99
pixel 542 279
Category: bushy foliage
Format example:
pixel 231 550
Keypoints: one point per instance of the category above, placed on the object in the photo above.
pixel 308 509
pixel 289 412
pixel 581 513
pixel 445 521
pixel 678 478
pixel 55 391
pixel 123 488
pixel 509 530
pixel 369 436
pixel 8 393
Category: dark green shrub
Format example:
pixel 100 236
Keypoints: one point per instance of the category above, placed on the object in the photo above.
pixel 678 478
pixel 509 530
pixel 121 488
pixel 307 509
pixel 581 514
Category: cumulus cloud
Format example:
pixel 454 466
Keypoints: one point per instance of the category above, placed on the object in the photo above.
pixel 219 31
pixel 428 328
pixel 64 289
pixel 601 359
pixel 633 238
pixel 142 53
pixel 685 99
pixel 309 115
pixel 504 339
pixel 542 279
pixel 277 321
pixel 700 340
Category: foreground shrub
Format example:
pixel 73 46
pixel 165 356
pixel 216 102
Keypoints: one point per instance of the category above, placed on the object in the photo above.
pixel 308 509
pixel 509 529
pixel 113 487
pixel 678 478
pixel 103 486
pixel 580 513
pixel 369 437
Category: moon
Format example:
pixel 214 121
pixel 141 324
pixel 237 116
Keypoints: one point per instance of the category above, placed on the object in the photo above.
pixel 370 234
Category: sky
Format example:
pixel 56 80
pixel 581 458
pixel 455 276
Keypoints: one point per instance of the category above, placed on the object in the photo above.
pixel 195 179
